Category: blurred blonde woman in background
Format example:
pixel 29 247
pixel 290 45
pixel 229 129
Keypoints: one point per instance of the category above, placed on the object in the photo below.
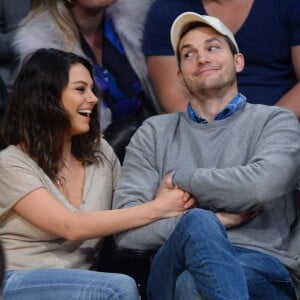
pixel 109 34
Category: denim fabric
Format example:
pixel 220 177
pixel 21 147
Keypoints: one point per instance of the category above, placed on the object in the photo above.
pixel 68 284
pixel 199 262
pixel 186 288
pixel 267 279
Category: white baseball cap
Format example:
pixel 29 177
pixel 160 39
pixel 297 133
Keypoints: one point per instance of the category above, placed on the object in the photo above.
pixel 188 17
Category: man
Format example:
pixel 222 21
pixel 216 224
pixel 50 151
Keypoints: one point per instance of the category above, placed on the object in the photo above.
pixel 239 160
pixel 269 77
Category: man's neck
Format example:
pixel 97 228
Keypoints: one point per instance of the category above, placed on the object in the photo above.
pixel 208 106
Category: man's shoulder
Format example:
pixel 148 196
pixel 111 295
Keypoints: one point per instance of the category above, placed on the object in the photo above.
pixel 267 110
pixel 260 115
pixel 159 126
pixel 163 119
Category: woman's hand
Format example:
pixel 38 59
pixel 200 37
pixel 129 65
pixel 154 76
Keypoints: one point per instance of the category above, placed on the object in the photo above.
pixel 171 200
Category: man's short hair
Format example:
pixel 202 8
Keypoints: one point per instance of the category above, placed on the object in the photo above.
pixel 190 26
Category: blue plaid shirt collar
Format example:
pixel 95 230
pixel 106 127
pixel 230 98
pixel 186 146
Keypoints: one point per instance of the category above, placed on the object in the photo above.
pixel 235 105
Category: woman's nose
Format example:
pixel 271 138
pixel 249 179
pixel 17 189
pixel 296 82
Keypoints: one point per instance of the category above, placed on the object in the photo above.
pixel 92 97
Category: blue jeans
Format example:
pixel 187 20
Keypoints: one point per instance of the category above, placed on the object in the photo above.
pixel 199 262
pixel 70 284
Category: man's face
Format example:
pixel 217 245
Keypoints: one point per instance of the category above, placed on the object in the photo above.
pixel 206 61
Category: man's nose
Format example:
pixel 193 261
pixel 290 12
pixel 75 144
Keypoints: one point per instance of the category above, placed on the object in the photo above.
pixel 202 57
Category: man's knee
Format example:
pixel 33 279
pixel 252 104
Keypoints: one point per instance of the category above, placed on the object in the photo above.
pixel 186 287
pixel 198 224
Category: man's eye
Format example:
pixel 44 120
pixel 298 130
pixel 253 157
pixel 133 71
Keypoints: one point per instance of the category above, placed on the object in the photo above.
pixel 213 48
pixel 188 54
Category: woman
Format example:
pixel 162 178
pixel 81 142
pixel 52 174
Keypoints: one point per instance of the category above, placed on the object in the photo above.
pixel 109 34
pixel 57 181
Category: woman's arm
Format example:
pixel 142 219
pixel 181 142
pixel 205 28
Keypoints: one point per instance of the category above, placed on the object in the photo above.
pixel 41 209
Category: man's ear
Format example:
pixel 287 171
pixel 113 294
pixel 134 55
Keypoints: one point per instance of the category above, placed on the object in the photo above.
pixel 180 77
pixel 239 61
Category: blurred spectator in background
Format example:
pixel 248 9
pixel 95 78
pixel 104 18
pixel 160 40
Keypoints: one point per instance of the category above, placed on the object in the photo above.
pixel 109 33
pixel 3 98
pixel 11 13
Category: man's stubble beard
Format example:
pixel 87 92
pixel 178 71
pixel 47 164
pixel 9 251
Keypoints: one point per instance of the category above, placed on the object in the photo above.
pixel 219 85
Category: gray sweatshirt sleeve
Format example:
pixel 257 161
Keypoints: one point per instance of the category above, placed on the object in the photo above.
pixel 138 184
pixel 270 173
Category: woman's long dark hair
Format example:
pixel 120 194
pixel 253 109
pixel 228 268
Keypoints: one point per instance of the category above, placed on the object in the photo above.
pixel 35 118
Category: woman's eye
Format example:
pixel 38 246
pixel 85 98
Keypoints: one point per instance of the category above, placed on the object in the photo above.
pixel 80 89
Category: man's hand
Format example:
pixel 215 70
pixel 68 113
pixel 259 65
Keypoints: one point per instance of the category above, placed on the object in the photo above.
pixel 230 220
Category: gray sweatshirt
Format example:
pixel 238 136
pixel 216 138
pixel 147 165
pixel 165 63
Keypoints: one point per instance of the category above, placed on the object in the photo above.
pixel 248 161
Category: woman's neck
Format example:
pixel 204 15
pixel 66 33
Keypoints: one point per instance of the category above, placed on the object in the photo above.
pixel 89 21
pixel 67 153
pixel 90 26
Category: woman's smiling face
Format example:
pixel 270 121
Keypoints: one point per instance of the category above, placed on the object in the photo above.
pixel 78 99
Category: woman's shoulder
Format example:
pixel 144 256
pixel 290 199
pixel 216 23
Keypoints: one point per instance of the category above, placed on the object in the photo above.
pixel 38 32
pixel 104 147
pixel 13 156
pixel 106 153
pixel 11 152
